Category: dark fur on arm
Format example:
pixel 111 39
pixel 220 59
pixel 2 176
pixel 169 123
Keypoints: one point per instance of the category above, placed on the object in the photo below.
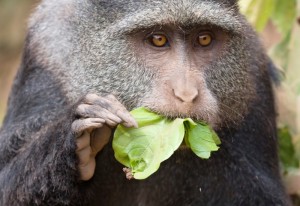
pixel 38 164
pixel 44 172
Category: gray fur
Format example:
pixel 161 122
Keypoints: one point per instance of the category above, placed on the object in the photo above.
pixel 95 51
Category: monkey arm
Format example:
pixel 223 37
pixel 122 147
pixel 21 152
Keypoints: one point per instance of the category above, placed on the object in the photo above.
pixel 37 147
pixel 44 171
pixel 46 166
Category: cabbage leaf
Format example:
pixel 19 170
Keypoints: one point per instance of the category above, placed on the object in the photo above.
pixel 143 149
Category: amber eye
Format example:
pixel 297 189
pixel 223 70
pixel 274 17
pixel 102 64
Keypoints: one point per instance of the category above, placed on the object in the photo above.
pixel 158 40
pixel 205 39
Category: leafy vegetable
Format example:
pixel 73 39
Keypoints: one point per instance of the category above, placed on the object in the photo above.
pixel 143 149
pixel 201 139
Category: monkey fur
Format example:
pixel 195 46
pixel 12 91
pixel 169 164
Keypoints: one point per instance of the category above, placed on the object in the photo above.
pixel 76 48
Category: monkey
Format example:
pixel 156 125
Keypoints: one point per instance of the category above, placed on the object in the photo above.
pixel 87 64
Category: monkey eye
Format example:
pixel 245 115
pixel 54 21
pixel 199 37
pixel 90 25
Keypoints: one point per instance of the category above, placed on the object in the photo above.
pixel 158 40
pixel 205 39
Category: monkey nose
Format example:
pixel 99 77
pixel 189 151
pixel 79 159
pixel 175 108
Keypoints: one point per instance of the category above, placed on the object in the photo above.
pixel 186 96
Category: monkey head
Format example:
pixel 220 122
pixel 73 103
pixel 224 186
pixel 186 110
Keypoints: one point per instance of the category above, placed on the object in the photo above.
pixel 178 58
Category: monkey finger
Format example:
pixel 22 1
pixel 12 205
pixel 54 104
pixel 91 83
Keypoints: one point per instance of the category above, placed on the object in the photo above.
pixel 111 123
pixel 108 102
pixel 96 111
pixel 128 120
pixel 112 110
pixel 125 117
pixel 84 155
pixel 87 171
pixel 111 119
pixel 83 141
pixel 93 99
pixel 79 125
pixel 99 138
pixel 122 112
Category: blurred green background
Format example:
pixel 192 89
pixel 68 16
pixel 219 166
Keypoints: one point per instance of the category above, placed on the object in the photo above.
pixel 277 22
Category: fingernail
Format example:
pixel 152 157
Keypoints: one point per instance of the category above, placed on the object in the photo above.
pixel 133 121
pixel 135 124
pixel 126 124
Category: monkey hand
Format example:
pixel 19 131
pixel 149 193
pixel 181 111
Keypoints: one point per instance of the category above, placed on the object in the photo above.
pixel 96 117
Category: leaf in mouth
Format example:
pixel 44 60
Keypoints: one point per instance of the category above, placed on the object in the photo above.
pixel 143 149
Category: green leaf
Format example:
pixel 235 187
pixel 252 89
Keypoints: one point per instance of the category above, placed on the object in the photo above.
pixel 282 51
pixel 143 149
pixel 287 152
pixel 202 140
pixel 258 12
pixel 284 15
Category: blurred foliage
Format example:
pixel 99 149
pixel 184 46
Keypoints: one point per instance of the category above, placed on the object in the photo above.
pixel 284 15
pixel 287 152
pixel 13 21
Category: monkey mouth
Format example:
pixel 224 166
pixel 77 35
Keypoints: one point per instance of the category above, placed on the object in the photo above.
pixel 202 110
pixel 207 117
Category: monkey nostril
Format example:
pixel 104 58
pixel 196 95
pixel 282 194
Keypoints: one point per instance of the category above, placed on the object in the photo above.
pixel 186 96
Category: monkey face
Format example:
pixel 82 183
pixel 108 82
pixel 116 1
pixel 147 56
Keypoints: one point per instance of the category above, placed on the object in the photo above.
pixel 188 66
pixel 178 58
